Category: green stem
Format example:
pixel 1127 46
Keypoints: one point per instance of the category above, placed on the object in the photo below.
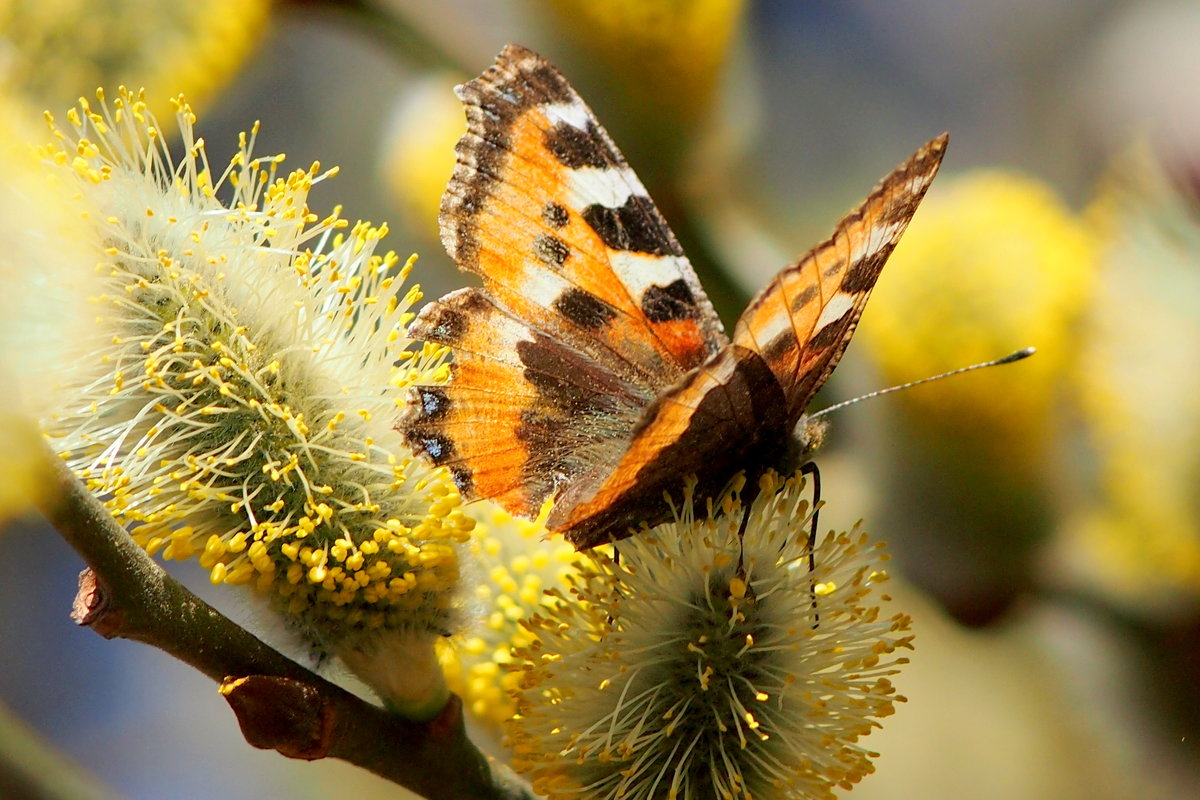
pixel 386 24
pixel 30 767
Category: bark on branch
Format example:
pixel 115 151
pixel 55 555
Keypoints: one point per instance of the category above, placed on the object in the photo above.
pixel 280 705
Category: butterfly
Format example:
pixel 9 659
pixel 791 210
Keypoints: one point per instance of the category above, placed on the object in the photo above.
pixel 590 366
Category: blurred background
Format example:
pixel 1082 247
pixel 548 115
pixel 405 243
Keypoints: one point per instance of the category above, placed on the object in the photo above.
pixel 1042 516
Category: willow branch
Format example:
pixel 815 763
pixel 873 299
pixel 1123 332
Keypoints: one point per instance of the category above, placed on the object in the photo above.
pixel 31 767
pixel 280 705
pixel 389 24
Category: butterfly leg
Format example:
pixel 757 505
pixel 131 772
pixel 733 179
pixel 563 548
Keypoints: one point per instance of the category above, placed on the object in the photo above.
pixel 747 501
pixel 810 468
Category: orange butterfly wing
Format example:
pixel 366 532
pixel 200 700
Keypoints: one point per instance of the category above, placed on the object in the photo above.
pixel 802 321
pixel 588 309
pixel 590 364
pixel 543 206
pixel 743 408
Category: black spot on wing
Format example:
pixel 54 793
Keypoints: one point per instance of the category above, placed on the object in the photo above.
pixel 584 309
pixel 575 148
pixel 863 273
pixel 463 479
pixel 778 348
pixel 635 227
pixel 555 215
pixel 441 324
pixel 437 446
pixel 804 298
pixel 671 302
pixel 447 321
pixel 833 269
pixel 519 80
pixel 550 250
pixel 832 333
pixel 547 84
pixel 434 402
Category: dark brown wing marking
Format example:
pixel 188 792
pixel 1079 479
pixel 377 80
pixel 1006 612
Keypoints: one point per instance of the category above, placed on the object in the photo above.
pixel 729 415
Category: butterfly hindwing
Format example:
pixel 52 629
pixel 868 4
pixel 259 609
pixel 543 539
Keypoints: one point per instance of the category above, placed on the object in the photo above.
pixel 522 412
pixel 727 414
pixel 802 321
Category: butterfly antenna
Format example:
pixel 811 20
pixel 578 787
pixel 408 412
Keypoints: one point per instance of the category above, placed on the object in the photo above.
pixel 1019 355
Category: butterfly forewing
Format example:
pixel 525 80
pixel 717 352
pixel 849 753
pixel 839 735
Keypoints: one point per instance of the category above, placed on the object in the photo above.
pixel 543 206
pixel 802 321
pixel 727 416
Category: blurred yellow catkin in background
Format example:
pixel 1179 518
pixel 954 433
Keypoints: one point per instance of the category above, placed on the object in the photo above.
pixel 992 262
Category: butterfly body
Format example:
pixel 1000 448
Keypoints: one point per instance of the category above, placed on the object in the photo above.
pixel 590 366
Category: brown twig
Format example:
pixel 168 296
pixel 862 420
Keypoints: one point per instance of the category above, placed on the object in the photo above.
pixel 279 704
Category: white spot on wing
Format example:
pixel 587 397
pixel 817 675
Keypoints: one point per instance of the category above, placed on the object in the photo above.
pixel 880 237
pixel 542 285
pixel 574 114
pixel 776 325
pixel 507 334
pixel 834 310
pixel 640 271
pixel 609 187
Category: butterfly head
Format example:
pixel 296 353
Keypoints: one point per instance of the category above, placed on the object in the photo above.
pixel 805 439
pixel 809 436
